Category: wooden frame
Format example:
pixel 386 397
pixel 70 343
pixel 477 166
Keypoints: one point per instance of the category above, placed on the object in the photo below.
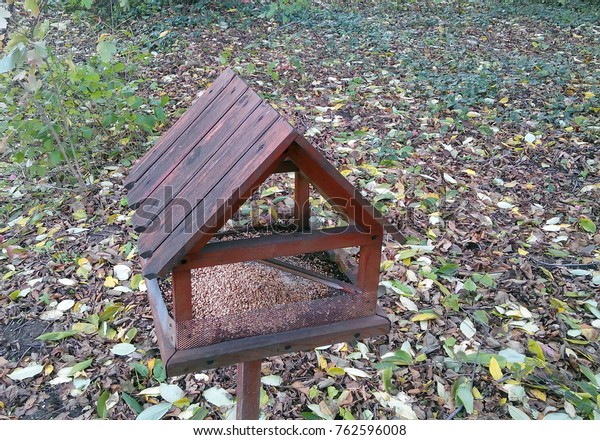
pixel 179 362
pixel 194 179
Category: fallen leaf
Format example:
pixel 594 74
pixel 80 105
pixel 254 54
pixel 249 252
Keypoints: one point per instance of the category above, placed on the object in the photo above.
pixel 426 316
pixel 155 412
pixel 26 372
pixel 65 305
pixel 122 349
pixel 273 380
pixel 495 369
pixel 218 397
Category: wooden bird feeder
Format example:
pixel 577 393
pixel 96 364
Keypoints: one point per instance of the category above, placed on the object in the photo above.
pixel 189 185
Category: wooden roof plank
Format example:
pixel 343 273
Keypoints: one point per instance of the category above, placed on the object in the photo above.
pixel 248 172
pixel 182 124
pixel 196 162
pixel 250 136
pixel 186 142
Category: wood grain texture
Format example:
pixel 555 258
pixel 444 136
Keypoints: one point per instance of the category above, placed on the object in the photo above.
pixel 277 245
pixel 260 347
pixel 301 200
pixel 186 209
pixel 182 294
pixel 165 333
pixel 243 120
pixel 239 197
pixel 166 246
pixel 172 135
pixel 369 262
pixel 187 142
pixel 248 390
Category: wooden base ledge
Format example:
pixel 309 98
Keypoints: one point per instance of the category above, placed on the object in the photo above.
pixel 260 347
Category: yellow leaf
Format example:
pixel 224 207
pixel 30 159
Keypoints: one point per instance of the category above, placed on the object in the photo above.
pixel 470 172
pixel 503 401
pixel 588 95
pixel 151 363
pixel 322 363
pixel 504 100
pixel 495 369
pixel 336 371
pixel 427 316
pixel 547 273
pixel 110 282
pixel 476 393
pixel 163 33
pixel 538 394
pixel 82 261
pixel 522 251
pixel 48 369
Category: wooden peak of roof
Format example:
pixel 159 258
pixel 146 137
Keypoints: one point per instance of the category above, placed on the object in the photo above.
pixel 205 166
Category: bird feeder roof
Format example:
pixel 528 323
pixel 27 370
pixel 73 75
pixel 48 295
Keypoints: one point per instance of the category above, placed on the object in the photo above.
pixel 205 166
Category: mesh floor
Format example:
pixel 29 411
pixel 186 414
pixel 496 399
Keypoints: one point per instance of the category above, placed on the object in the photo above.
pixel 249 299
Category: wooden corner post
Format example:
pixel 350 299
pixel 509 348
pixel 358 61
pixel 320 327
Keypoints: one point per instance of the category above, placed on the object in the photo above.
pixel 301 201
pixel 182 294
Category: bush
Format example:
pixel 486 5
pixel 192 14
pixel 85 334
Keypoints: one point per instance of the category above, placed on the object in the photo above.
pixel 62 114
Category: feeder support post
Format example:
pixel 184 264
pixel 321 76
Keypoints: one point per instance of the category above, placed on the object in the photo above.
pixel 248 390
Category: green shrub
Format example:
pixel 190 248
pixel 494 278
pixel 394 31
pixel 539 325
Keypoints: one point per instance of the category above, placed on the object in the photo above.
pixel 57 115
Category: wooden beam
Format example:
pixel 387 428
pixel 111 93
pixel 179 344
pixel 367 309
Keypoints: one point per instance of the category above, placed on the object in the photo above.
pixel 248 390
pixel 260 347
pixel 369 262
pixel 301 201
pixel 313 276
pixel 182 294
pixel 338 191
pixel 287 166
pixel 279 245
pixel 162 321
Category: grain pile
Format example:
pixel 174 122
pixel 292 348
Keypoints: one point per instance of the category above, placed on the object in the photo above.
pixel 245 299
pixel 243 287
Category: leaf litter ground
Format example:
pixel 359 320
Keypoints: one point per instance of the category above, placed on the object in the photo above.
pixel 473 127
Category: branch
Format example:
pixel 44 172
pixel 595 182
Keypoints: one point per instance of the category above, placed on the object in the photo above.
pixel 58 140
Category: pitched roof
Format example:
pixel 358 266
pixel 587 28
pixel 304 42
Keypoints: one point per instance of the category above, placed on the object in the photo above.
pixel 189 184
